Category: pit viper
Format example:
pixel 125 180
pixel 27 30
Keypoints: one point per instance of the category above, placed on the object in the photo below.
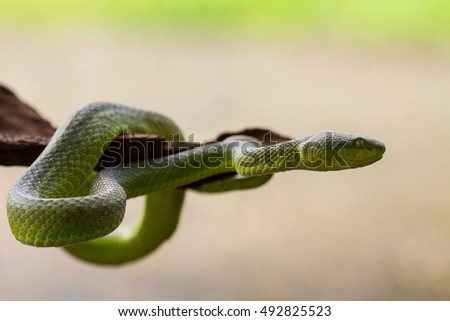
pixel 61 201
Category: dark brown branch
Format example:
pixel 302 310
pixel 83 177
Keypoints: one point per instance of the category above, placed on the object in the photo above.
pixel 17 117
pixel 24 135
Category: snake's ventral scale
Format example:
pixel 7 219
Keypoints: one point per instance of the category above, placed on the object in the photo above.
pixel 62 201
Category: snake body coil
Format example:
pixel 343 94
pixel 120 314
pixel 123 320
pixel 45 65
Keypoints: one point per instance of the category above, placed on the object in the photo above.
pixel 61 201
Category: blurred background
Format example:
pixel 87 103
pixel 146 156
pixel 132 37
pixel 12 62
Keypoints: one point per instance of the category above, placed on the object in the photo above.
pixel 381 68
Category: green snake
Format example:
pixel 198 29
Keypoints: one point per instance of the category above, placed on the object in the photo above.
pixel 60 201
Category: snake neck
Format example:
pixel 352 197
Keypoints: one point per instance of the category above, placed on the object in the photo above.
pixel 178 170
pixel 254 161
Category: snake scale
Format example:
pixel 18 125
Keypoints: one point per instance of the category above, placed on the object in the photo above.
pixel 60 201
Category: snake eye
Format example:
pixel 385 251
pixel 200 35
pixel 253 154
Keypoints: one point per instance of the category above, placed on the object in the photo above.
pixel 358 142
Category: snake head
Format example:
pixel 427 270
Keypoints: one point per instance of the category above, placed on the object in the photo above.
pixel 332 151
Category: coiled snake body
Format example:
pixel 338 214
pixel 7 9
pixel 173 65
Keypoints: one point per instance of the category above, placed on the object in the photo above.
pixel 61 201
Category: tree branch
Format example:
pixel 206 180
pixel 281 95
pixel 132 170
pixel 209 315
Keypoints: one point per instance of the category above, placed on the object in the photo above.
pixel 24 135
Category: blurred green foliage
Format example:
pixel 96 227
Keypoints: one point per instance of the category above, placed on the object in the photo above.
pixel 385 20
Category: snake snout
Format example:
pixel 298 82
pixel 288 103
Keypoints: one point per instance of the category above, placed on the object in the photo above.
pixel 370 145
